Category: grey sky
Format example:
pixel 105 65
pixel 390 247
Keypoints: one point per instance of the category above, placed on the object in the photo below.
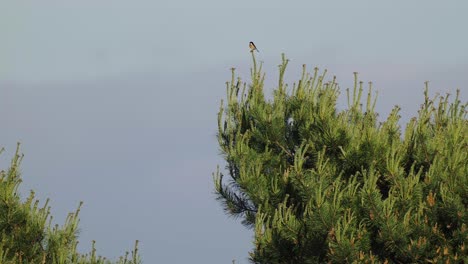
pixel 115 102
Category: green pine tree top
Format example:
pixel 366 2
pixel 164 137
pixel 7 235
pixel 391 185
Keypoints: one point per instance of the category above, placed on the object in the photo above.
pixel 322 185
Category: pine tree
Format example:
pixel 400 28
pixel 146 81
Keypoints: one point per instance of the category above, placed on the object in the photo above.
pixel 318 184
pixel 27 234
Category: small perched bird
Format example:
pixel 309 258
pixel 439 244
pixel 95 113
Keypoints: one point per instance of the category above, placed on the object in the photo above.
pixel 252 47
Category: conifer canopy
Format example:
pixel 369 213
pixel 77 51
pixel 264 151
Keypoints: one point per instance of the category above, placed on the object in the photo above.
pixel 318 184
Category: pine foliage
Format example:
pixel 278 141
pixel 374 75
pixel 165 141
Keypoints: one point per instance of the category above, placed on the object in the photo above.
pixel 27 234
pixel 318 184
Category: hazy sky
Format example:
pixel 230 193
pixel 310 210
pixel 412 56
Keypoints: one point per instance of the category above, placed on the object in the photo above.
pixel 115 101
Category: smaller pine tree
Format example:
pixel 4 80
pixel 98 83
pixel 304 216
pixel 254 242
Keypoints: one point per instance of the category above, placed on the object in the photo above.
pixel 27 234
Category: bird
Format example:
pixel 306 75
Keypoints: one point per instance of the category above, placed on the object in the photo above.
pixel 252 47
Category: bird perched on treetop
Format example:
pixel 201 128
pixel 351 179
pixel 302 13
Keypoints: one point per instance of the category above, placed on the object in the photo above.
pixel 252 47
